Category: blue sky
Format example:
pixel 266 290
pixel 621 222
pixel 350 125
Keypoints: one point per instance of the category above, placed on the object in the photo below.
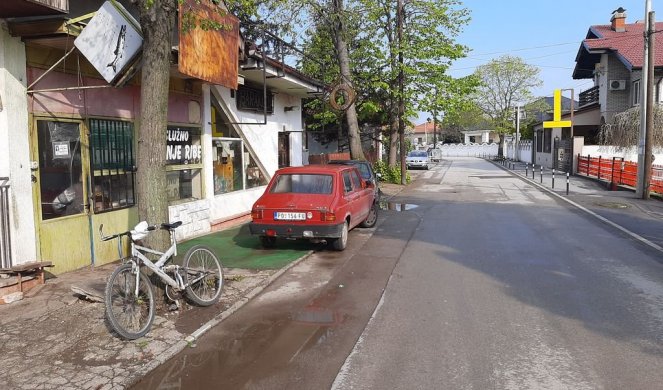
pixel 542 32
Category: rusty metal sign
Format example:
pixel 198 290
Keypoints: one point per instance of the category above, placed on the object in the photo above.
pixel 209 43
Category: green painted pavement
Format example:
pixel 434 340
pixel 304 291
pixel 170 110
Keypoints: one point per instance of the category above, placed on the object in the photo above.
pixel 237 248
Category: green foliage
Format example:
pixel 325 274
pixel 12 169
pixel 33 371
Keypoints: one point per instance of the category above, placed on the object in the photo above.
pixel 390 174
pixel 504 83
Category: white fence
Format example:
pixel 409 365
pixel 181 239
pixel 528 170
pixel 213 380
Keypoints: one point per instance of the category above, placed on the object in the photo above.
pixel 629 154
pixel 468 150
pixel 524 151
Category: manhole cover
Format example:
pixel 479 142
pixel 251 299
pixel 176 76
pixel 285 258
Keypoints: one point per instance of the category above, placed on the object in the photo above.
pixel 612 205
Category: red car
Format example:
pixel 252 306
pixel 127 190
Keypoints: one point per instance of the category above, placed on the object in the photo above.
pixel 316 202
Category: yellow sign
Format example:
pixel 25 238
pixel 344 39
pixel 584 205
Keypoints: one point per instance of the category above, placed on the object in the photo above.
pixel 557 113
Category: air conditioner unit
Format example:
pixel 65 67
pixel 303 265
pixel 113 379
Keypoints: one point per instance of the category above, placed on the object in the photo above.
pixel 617 85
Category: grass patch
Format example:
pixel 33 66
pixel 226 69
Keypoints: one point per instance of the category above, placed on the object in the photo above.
pixel 237 248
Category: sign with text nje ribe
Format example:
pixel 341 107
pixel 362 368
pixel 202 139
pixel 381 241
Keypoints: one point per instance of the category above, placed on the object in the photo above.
pixel 111 40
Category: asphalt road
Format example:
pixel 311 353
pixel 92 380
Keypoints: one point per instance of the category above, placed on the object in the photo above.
pixel 472 280
pixel 501 287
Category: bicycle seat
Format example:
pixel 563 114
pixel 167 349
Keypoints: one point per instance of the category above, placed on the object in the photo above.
pixel 171 226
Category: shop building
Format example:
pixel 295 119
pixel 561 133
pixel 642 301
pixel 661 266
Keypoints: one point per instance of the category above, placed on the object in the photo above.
pixel 68 140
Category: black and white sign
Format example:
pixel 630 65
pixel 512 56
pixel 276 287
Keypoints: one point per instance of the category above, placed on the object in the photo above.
pixel 111 40
pixel 183 146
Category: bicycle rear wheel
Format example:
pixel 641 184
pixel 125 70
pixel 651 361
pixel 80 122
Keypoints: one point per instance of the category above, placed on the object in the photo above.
pixel 203 270
pixel 128 313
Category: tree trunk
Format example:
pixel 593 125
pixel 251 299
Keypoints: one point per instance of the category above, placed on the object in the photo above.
pixel 393 139
pixel 401 92
pixel 157 22
pixel 343 56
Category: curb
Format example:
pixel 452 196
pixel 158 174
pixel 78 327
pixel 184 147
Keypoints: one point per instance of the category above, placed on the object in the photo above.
pixel 189 340
pixel 583 208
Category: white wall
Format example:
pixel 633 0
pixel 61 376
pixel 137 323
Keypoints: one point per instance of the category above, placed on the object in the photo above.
pixel 468 150
pixel 608 152
pixel 261 139
pixel 15 146
pixel 523 153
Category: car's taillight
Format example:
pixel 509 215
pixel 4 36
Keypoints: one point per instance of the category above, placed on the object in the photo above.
pixel 326 216
pixel 256 214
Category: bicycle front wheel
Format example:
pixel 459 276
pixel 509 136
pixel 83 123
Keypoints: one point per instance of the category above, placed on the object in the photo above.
pixel 129 310
pixel 203 276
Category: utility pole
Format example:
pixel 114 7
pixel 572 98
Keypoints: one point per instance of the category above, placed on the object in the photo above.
pixel 401 90
pixel 649 132
pixel 640 185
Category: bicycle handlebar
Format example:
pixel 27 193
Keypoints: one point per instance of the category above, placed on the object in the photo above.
pixel 151 228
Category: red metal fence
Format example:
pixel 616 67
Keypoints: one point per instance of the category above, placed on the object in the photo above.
pixel 616 171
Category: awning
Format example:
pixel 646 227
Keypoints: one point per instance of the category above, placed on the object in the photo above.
pixel 22 8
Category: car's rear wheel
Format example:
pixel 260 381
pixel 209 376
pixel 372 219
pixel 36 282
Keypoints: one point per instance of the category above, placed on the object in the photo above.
pixel 372 217
pixel 340 243
pixel 268 242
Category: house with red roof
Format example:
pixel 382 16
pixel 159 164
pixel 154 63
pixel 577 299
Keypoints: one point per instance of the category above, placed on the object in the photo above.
pixel 612 55
pixel 422 135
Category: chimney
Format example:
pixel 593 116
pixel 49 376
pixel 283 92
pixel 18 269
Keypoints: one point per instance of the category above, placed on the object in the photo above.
pixel 618 20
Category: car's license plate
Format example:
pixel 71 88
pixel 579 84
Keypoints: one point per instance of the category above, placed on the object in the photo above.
pixel 289 216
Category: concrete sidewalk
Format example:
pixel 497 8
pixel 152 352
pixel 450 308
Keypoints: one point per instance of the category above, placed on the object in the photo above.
pixel 620 209
pixel 57 339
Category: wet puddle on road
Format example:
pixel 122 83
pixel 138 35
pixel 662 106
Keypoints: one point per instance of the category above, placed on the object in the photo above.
pixel 396 206
pixel 243 355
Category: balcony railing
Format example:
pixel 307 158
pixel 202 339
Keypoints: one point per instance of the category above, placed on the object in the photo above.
pixel 589 96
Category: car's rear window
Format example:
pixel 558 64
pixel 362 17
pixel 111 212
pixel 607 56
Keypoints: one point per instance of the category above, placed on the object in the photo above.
pixel 302 184
pixel 364 170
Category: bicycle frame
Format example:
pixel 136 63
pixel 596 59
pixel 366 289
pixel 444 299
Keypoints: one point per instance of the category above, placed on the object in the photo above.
pixel 157 267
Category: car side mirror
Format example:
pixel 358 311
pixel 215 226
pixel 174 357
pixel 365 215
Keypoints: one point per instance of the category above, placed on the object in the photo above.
pixel 369 182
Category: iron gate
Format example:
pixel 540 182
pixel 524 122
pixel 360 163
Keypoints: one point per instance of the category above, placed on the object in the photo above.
pixel 562 155
pixel 5 237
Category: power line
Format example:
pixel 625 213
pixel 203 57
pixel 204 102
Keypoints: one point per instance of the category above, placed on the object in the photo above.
pixel 528 48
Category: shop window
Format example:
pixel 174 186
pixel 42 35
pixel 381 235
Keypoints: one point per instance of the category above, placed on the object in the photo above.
pixel 184 161
pixel 61 171
pixel 112 161
pixel 235 167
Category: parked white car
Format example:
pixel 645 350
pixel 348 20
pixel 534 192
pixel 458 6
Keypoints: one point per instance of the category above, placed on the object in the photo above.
pixel 417 159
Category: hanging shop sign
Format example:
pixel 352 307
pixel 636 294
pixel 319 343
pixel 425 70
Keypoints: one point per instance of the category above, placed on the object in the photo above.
pixel 111 41
pixel 209 42
pixel 183 146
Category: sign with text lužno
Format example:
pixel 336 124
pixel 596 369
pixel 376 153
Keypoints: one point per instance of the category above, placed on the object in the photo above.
pixel 183 146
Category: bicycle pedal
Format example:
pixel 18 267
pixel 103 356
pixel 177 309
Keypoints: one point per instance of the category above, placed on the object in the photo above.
pixel 174 306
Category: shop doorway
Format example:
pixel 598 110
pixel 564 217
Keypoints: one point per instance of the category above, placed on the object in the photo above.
pixel 60 182
pixel 284 150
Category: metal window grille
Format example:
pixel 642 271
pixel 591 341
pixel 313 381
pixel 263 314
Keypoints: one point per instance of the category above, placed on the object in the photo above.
pixel 113 164
pixel 5 236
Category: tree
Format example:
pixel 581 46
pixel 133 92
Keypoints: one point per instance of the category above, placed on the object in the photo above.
pixel 505 82
pixel 427 48
pixel 343 55
pixel 157 20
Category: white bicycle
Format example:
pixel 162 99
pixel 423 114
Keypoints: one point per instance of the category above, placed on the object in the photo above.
pixel 129 296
